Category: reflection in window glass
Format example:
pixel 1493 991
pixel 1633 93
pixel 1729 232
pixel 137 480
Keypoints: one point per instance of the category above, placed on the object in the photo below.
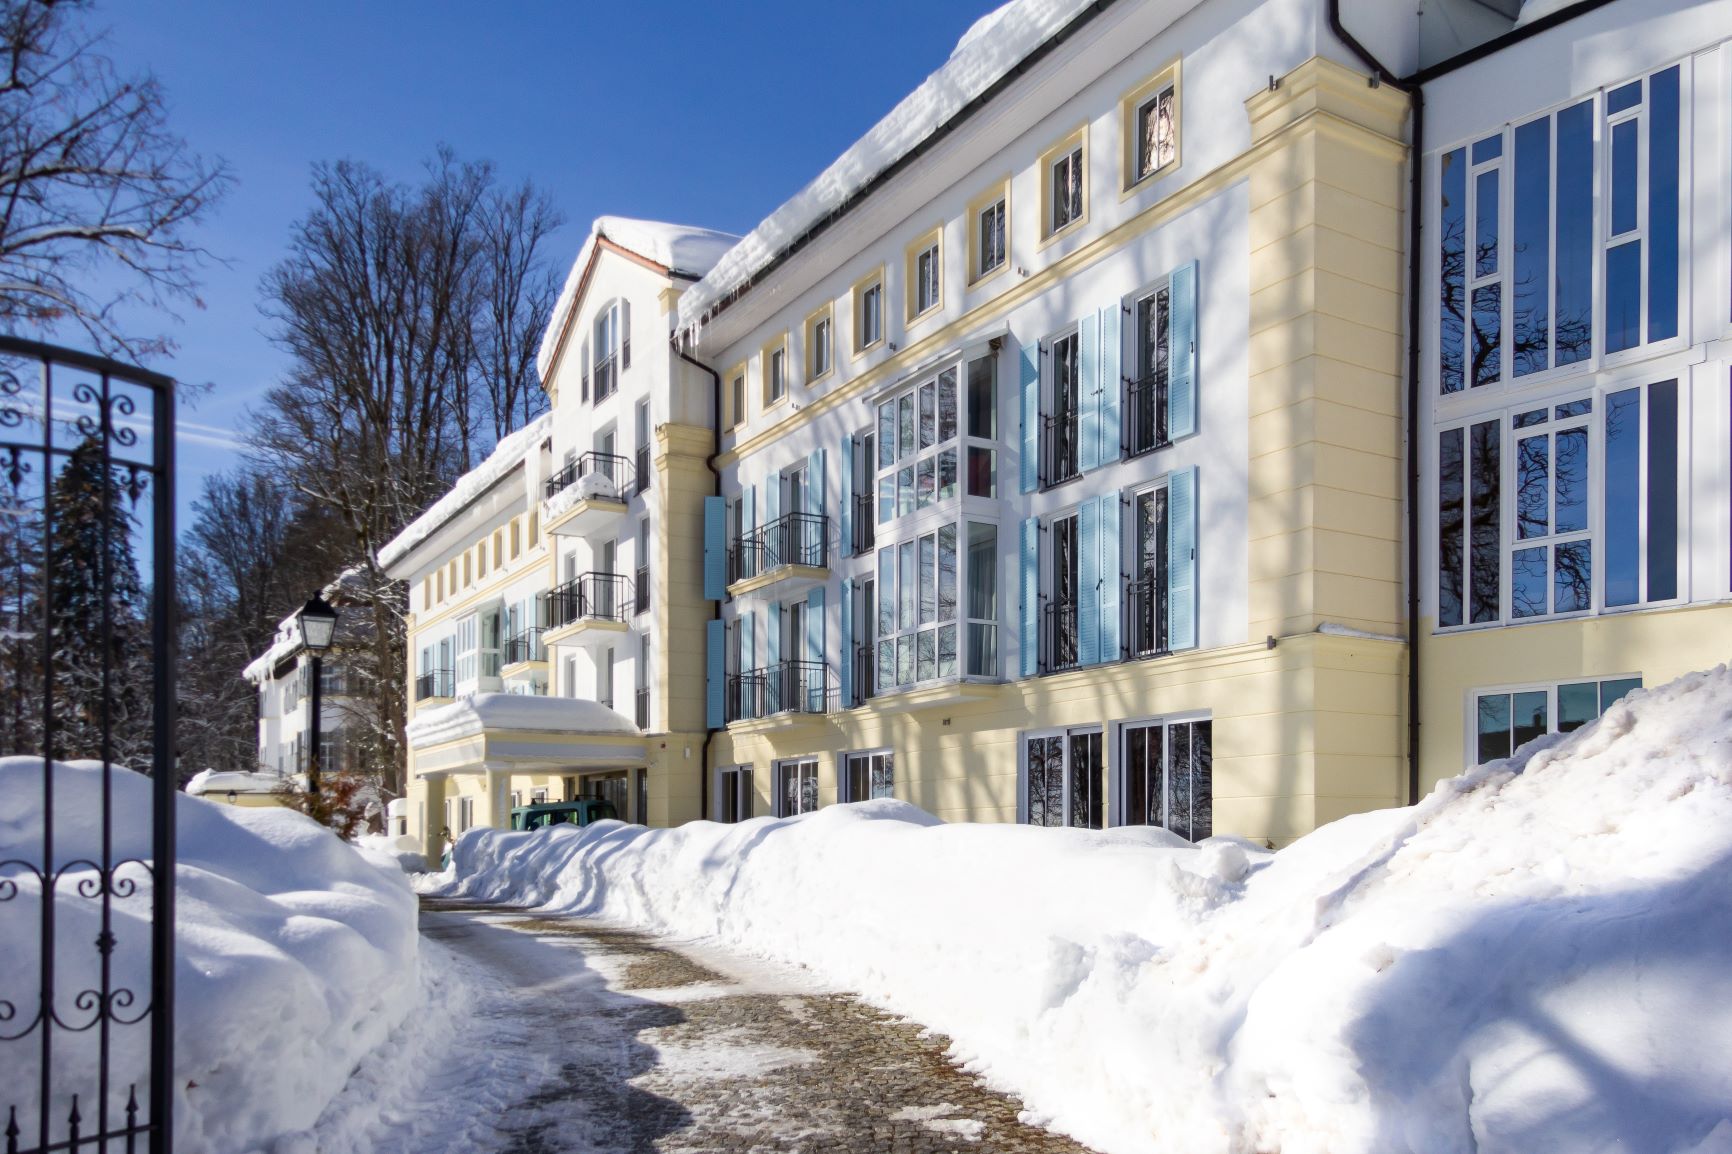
pixel 1663 164
pixel 1575 241
pixel 1452 305
pixel 1578 704
pixel 1663 491
pixel 1487 333
pixel 1533 196
pixel 1449 527
pixel 1484 558
pixel 982 407
pixel 1485 223
pixel 1623 497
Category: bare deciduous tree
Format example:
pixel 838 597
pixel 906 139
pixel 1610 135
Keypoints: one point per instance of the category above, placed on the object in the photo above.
pixel 96 192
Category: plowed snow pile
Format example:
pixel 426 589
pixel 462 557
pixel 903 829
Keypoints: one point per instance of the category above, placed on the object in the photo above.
pixel 1538 957
pixel 296 957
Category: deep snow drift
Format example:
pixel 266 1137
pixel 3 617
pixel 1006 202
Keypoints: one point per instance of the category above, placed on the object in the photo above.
pixel 296 954
pixel 1536 957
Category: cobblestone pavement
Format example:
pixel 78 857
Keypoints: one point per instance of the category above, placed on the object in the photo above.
pixel 661 1051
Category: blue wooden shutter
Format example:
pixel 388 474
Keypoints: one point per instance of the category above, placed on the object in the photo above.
pixel 715 547
pixel 1182 559
pixel 1182 354
pixel 1088 340
pixel 1111 382
pixel 773 636
pixel 1029 641
pixel 1111 579
pixel 845 500
pixel 845 645
pixel 1030 417
pixel 1088 602
pixel 715 669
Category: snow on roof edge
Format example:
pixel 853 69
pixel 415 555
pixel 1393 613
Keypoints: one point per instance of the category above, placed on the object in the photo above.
pixel 685 250
pixel 987 52
pixel 512 449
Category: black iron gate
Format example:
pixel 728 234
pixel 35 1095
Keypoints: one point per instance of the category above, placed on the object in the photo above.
pixel 87 789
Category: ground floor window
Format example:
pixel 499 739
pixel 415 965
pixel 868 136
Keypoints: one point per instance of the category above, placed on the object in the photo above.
pixel 641 796
pixel 734 794
pixel 1507 719
pixel 465 814
pixel 796 786
pixel 1167 776
pixel 1062 783
pixel 610 788
pixel 870 775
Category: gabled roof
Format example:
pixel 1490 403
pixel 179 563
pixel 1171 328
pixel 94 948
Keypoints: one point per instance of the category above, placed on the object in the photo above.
pixel 679 251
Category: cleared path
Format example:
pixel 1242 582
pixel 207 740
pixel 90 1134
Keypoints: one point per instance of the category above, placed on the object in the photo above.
pixel 579 1038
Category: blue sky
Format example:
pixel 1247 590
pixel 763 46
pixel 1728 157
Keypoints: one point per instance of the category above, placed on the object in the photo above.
pixel 702 113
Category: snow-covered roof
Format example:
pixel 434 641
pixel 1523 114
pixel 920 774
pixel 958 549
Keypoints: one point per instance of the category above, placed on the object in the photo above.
pixel 992 46
pixel 350 626
pixel 518 711
pixel 684 250
pixel 1539 9
pixel 505 456
pixel 215 781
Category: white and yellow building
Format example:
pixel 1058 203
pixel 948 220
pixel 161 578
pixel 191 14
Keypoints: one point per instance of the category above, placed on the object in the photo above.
pixel 1062 472
pixel 554 592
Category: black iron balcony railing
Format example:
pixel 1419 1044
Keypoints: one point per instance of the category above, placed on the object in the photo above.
pixel 1058 643
pixel 787 687
pixel 865 523
pixel 1059 438
pixel 606 377
pixel 1145 419
pixel 436 683
pixel 591 597
pixel 641 603
pixel 791 539
pixel 525 646
pixel 608 474
pixel 644 472
pixel 865 674
pixel 643 708
pixel 1146 618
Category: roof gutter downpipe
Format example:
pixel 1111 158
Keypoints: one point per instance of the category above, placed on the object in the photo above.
pixel 1414 86
pixel 716 473
pixel 1416 150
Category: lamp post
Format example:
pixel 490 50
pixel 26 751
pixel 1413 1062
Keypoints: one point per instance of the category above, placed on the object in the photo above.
pixel 318 622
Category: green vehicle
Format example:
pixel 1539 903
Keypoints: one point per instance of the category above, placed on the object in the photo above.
pixel 580 811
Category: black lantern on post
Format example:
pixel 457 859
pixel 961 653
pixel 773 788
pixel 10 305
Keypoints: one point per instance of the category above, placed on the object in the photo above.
pixel 318 622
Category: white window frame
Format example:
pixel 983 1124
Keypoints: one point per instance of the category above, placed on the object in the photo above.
pixel 796 764
pixel 1470 706
pixel 1117 767
pixel 1066 731
pixel 845 781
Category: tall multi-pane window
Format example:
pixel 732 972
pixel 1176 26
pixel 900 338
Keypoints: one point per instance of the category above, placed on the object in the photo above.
pixel 981 659
pixel 926 284
pixel 796 786
pixel 737 395
pixel 982 447
pixel 990 238
pixel 775 374
pixel 819 348
pixel 1560 552
pixel 1157 134
pixel 1146 396
pixel 1146 606
pixel 1521 232
pixel 1066 176
pixel 1059 640
pixel 1060 426
pixel 917 451
pixel 608 325
pixel 1167 776
pixel 917 628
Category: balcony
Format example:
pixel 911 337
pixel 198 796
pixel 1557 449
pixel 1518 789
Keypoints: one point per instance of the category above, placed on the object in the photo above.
pixel 1145 419
pixel 791 687
pixel 1058 638
pixel 524 649
pixel 1060 437
pixel 436 685
pixel 790 553
pixel 590 609
pixel 1146 619
pixel 865 524
pixel 588 495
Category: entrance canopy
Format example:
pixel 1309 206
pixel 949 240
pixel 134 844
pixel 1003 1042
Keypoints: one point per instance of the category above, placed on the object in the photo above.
pixel 522 733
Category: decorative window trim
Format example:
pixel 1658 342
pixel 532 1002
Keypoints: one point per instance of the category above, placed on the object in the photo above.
pixel 856 296
pixel 932 239
pixel 1129 106
pixel 1076 139
pixel 825 312
pixel 991 196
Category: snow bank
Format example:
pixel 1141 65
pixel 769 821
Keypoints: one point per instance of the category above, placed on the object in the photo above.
pixel 505 457
pixel 1533 958
pixel 684 250
pixel 296 953
pixel 992 46
pixel 240 781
